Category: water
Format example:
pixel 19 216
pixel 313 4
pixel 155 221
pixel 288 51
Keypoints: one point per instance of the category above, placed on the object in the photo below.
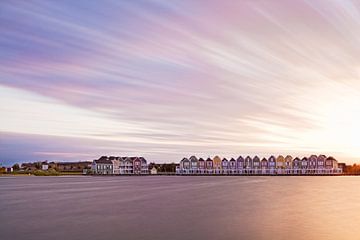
pixel 170 207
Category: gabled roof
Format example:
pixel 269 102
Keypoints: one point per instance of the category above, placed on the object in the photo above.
pixel 232 159
pixel 240 158
pixel 103 161
pixel 209 159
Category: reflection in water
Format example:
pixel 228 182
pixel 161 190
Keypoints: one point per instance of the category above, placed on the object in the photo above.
pixel 179 208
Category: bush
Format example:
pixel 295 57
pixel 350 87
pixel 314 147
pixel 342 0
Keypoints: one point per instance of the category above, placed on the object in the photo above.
pixel 50 172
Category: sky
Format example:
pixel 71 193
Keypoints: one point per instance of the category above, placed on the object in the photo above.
pixel 167 79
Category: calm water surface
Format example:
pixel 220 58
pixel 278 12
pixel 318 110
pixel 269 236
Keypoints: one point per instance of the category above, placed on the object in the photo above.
pixel 179 208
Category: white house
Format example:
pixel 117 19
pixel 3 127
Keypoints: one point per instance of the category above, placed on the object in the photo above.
pixel 44 166
pixel 153 171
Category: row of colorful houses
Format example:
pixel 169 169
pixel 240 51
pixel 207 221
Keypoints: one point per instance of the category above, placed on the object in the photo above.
pixel 120 166
pixel 254 165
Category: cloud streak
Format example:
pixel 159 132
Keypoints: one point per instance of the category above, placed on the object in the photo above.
pixel 184 77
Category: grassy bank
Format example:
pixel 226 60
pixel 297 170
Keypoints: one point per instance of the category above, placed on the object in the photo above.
pixel 50 172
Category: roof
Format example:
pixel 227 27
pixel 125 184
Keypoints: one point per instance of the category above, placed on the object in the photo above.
pixel 240 158
pixel 103 161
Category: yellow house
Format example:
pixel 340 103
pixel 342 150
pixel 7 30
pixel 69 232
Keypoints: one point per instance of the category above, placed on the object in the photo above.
pixel 280 162
pixel 217 163
pixel 288 161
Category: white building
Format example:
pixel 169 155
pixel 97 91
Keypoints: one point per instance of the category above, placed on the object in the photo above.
pixel 153 171
pixel 44 166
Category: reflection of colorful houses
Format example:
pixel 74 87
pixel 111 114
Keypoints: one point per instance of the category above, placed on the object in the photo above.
pixel 254 166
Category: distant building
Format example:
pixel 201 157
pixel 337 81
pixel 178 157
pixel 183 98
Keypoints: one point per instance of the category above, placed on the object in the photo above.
pixel 342 166
pixel 153 171
pixel 273 166
pixel 120 165
pixel 103 166
pixel 44 167
pixel 9 170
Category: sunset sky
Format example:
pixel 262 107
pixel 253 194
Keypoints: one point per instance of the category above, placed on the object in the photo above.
pixel 168 79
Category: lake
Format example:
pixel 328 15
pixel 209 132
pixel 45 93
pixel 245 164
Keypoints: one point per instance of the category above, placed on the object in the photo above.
pixel 179 207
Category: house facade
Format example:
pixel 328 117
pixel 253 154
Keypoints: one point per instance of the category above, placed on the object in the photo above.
pixel 103 166
pixel 120 166
pixel 254 166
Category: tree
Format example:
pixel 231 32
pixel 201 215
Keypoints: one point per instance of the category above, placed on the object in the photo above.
pixel 38 165
pixel 16 167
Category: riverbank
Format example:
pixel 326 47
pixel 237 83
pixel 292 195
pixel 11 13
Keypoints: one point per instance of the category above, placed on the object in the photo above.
pixel 41 174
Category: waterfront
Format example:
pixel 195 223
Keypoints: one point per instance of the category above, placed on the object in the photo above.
pixel 175 207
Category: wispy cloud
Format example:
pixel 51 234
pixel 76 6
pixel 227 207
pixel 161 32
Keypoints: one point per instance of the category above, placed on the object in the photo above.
pixel 181 77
